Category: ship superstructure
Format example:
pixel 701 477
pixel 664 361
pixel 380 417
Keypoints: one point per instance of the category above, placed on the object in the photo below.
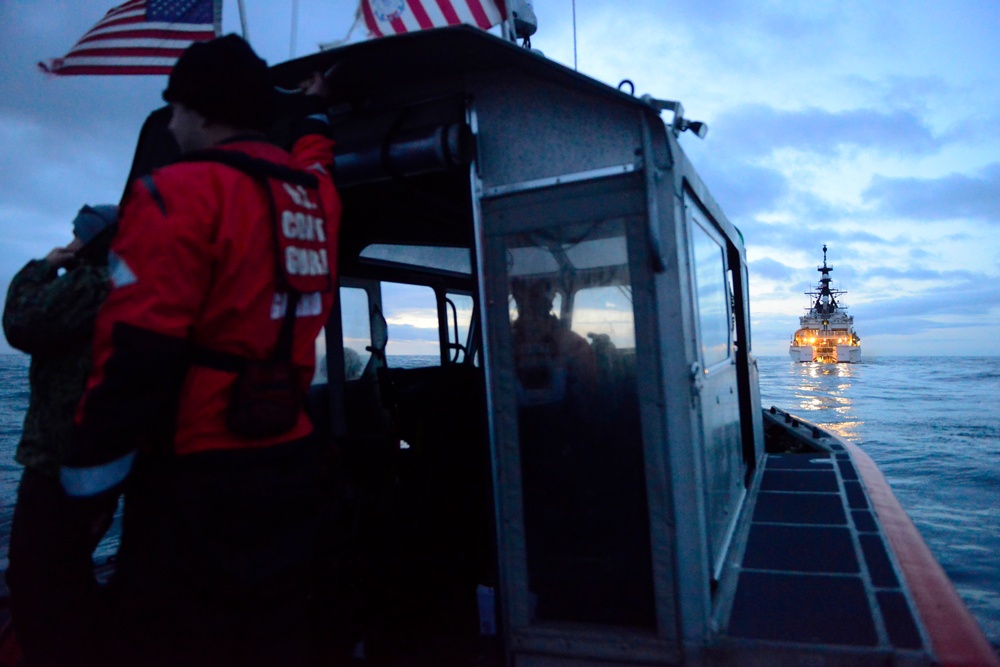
pixel 826 332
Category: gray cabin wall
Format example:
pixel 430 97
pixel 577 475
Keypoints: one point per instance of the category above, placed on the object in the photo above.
pixel 533 135
pixel 530 130
pixel 676 322
pixel 692 414
pixel 540 147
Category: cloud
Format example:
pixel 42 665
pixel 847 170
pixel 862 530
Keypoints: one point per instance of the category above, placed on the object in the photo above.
pixel 748 182
pixel 920 274
pixel 757 130
pixel 946 198
pixel 809 237
pixel 966 301
pixel 771 269
pixel 408 332
pixel 66 141
pixel 744 190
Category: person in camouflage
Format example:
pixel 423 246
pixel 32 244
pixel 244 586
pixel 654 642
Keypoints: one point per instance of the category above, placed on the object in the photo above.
pixel 50 311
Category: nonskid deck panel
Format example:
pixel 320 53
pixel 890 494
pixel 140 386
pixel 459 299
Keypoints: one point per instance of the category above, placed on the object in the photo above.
pixel 814 569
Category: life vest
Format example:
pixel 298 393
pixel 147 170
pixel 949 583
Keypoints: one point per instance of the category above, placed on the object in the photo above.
pixel 299 223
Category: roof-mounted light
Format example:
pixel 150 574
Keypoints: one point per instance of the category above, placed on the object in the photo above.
pixel 680 122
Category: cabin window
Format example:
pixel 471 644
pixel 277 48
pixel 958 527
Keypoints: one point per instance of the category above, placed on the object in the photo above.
pixel 586 526
pixel 746 306
pixel 459 319
pixel 713 307
pixel 605 311
pixel 454 260
pixel 356 323
pixel 320 374
pixel 411 315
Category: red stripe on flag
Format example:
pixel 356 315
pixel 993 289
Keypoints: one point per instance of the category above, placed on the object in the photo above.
pixel 482 20
pixel 397 25
pixel 188 35
pixel 419 13
pixel 450 16
pixel 370 19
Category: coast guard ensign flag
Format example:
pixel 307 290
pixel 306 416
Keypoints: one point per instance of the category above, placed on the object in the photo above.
pixel 387 17
pixel 140 37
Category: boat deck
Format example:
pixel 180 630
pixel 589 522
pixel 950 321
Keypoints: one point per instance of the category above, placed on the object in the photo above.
pixel 812 567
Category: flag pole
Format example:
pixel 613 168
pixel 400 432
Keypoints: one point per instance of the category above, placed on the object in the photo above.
pixel 574 35
pixel 243 20
pixel 217 15
pixel 295 28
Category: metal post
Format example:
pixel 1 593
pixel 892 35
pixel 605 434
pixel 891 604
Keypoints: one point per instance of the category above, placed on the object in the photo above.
pixel 574 34
pixel 507 29
pixel 295 28
pixel 217 14
pixel 243 20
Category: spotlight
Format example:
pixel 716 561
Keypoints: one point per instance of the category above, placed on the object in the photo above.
pixel 680 122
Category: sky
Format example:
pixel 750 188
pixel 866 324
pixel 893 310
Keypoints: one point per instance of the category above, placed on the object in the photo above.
pixel 873 128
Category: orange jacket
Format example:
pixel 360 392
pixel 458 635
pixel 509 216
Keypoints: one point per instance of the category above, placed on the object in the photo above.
pixel 193 265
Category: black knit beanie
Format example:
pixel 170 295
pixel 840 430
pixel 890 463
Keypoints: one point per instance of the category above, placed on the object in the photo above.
pixel 225 81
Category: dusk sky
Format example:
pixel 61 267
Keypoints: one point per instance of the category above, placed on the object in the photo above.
pixel 872 127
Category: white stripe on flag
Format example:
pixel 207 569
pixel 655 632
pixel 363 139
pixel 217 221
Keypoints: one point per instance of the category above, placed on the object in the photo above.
pixel 136 43
pixel 145 27
pixel 464 13
pixel 113 61
pixel 434 13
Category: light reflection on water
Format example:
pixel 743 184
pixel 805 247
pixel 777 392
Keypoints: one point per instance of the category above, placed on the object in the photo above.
pixel 821 392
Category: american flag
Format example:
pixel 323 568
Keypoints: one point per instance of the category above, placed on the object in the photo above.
pixel 387 17
pixel 140 37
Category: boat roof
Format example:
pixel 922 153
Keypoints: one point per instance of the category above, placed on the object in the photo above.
pixel 456 51
pixel 388 70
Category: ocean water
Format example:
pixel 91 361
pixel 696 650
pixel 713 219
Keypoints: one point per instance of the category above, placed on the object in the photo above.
pixel 932 424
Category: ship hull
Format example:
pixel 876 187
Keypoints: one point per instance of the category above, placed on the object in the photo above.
pixel 849 354
pixel 801 352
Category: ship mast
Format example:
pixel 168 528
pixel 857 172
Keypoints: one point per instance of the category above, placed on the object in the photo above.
pixel 826 298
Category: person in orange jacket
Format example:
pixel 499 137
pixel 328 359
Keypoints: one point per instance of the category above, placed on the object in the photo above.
pixel 223 273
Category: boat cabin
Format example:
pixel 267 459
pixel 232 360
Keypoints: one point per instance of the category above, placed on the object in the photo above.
pixel 567 469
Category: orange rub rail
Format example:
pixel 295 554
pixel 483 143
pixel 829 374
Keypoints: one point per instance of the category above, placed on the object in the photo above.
pixel 955 635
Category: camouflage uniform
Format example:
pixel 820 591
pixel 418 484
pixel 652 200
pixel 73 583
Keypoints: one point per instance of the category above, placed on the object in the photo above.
pixel 53 594
pixel 51 317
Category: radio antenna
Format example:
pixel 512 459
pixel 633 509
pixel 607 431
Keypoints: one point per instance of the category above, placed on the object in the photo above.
pixel 574 35
pixel 295 28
